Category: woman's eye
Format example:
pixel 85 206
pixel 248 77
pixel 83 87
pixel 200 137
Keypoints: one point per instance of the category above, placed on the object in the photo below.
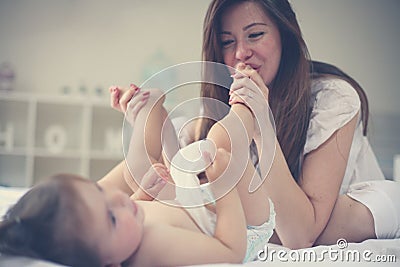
pixel 226 43
pixel 256 35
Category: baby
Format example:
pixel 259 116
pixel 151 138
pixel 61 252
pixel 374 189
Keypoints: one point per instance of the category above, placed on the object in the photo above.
pixel 144 110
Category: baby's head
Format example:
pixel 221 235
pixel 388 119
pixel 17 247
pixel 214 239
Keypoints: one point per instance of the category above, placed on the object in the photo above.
pixel 72 221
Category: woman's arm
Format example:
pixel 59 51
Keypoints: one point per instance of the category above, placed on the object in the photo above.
pixel 147 114
pixel 302 209
pixel 119 100
pixel 145 143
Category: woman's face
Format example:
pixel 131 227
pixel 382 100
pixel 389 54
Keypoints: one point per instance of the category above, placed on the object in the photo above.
pixel 249 36
pixel 116 222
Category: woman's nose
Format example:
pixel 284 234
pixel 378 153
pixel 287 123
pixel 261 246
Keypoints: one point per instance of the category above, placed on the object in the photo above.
pixel 243 51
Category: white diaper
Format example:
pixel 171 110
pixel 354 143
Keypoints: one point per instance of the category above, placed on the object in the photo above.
pixel 194 196
pixel 185 166
pixel 258 236
pixel 382 198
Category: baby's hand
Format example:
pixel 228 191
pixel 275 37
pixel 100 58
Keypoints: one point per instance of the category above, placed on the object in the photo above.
pixel 153 182
pixel 218 166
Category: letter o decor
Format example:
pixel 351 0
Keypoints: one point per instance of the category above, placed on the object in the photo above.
pixel 55 139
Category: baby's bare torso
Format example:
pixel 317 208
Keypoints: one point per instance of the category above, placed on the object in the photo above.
pixel 161 213
pixel 162 224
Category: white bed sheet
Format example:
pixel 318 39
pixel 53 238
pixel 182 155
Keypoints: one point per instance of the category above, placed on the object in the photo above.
pixel 364 253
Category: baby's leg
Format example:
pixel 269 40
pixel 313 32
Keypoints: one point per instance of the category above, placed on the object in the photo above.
pixel 234 133
pixel 145 146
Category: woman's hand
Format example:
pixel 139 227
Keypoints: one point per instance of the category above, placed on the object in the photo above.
pixel 128 101
pixel 153 182
pixel 249 89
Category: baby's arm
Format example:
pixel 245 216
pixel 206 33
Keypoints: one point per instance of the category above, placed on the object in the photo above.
pixel 152 183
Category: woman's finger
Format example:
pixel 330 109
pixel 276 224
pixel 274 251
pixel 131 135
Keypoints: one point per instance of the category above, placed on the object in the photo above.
pixel 244 93
pixel 255 79
pixel 243 82
pixel 133 110
pixel 114 97
pixel 125 98
pixel 236 99
pixel 135 105
pixel 134 87
pixel 253 89
pixel 137 100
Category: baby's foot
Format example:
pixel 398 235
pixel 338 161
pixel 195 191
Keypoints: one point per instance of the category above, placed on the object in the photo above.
pixel 218 166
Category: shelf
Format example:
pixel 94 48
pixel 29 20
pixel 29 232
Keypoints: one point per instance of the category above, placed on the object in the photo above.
pixel 13 123
pixel 16 151
pixel 12 170
pixel 60 99
pixel 44 152
pixel 60 126
pixel 45 167
pixel 41 135
pixel 117 155
pixel 106 136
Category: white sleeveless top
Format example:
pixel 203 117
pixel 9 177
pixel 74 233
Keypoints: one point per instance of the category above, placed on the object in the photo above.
pixel 335 102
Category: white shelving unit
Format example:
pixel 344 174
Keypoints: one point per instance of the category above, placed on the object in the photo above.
pixel 43 135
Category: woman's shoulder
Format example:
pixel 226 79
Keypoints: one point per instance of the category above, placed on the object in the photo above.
pixel 334 103
pixel 330 91
pixel 331 85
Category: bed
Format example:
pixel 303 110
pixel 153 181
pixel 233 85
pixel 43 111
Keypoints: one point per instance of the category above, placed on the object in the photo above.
pixel 371 252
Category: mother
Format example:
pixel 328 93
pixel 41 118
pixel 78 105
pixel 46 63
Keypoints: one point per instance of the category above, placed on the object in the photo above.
pixel 321 117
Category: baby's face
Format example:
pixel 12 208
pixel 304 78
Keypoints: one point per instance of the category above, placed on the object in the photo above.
pixel 115 222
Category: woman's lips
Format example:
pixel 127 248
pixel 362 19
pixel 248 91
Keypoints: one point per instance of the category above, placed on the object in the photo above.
pixel 254 67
